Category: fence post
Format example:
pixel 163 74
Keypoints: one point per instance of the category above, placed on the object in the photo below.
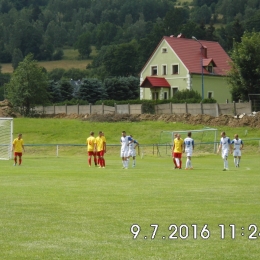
pixel 115 108
pixel 66 109
pixel 186 108
pixel 90 108
pixel 235 109
pixel 102 108
pixel 250 105
pixel 171 107
pixel 78 109
pixel 128 108
pixel 217 110
pixel 201 108
pixel 57 150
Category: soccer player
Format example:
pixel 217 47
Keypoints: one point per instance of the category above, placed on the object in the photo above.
pixel 188 148
pixel 131 150
pixel 18 149
pixel 225 146
pixel 177 151
pixel 100 149
pixel 104 147
pixel 91 140
pixel 237 147
pixel 125 141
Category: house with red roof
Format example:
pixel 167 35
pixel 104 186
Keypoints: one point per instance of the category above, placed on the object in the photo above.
pixel 180 63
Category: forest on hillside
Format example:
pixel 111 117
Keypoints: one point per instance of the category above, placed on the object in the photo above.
pixel 123 33
pixel 44 27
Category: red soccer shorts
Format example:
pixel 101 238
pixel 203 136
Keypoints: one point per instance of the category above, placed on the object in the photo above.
pixel 90 153
pixel 101 153
pixel 177 155
pixel 18 154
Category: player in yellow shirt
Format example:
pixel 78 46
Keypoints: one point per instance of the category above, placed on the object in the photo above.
pixel 100 148
pixel 104 147
pixel 91 140
pixel 177 151
pixel 18 149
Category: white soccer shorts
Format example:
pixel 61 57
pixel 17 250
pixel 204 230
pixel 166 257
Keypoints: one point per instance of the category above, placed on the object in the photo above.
pixel 224 154
pixel 124 153
pixel 188 153
pixel 237 153
pixel 131 153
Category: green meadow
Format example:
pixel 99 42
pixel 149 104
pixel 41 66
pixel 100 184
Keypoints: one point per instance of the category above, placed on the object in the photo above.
pixel 70 60
pixel 59 208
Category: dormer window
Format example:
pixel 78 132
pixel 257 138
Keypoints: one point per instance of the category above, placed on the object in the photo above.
pixel 164 50
pixel 210 69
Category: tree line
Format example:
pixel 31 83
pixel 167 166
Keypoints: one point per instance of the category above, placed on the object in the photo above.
pixel 51 25
pixel 125 33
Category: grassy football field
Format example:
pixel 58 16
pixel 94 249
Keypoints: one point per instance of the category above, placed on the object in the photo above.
pixel 59 208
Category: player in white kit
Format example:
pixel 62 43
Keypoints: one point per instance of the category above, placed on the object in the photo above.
pixel 225 146
pixel 188 148
pixel 237 147
pixel 132 151
pixel 125 141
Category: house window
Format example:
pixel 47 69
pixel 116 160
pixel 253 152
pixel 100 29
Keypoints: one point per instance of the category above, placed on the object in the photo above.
pixel 210 69
pixel 210 94
pixel 175 69
pixel 174 90
pixel 164 70
pixel 165 95
pixel 155 95
pixel 154 70
pixel 164 50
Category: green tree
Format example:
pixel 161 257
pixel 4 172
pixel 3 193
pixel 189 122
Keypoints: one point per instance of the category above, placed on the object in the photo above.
pixel 56 74
pixel 66 90
pixel 253 23
pixel 202 13
pixel 190 29
pixel 120 60
pixel 122 88
pixel 174 19
pixel 54 92
pixel 92 90
pixel 4 78
pixel 16 58
pixel 244 76
pixel 75 74
pixel 105 33
pixel 83 45
pixel 28 86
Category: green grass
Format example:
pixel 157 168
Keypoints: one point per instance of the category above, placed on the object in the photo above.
pixel 68 131
pixel 58 208
pixel 70 60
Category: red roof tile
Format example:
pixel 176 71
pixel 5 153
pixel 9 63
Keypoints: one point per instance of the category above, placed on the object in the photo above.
pixel 155 82
pixel 189 52
pixel 206 62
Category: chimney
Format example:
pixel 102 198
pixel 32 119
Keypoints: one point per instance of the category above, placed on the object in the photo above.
pixel 204 51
